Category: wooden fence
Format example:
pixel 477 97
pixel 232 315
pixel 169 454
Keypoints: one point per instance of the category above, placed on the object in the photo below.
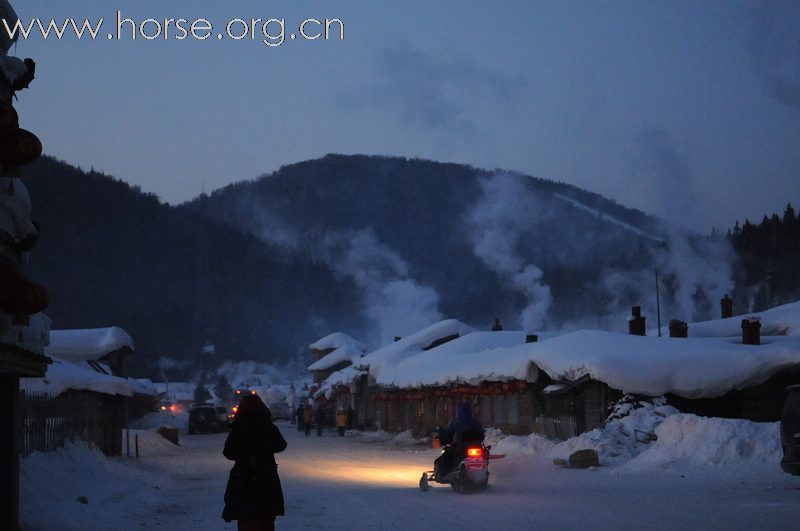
pixel 47 424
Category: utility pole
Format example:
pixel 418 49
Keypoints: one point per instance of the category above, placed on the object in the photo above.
pixel 658 304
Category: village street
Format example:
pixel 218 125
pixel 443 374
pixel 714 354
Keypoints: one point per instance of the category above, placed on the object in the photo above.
pixel 361 482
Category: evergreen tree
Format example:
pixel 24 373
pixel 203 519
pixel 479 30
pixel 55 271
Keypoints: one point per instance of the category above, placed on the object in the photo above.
pixel 201 394
pixel 223 389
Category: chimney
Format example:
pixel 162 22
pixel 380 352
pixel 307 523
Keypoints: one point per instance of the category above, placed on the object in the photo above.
pixel 726 304
pixel 636 323
pixel 678 328
pixel 497 326
pixel 751 331
pixel 531 338
pixel 397 338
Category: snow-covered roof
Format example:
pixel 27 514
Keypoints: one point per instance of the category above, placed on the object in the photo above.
pixel 412 344
pixel 87 344
pixel 471 358
pixel 780 320
pixel 62 376
pixel 343 353
pixel 689 367
pixel 337 340
pixel 708 364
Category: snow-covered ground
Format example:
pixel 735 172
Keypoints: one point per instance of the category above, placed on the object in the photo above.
pixel 700 474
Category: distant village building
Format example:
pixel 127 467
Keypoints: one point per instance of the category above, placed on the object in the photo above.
pixel 333 353
pixel 561 385
pixel 84 392
pixel 103 349
pixel 356 386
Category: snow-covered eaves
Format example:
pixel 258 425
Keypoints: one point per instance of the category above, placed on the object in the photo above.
pixel 343 353
pixel 393 353
pixel 88 344
pixel 689 367
pixel 470 359
pixel 63 376
pixel 337 340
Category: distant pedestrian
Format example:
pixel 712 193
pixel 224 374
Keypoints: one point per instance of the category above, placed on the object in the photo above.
pixel 341 422
pixel 319 418
pixel 294 415
pixel 351 417
pixel 308 417
pixel 253 495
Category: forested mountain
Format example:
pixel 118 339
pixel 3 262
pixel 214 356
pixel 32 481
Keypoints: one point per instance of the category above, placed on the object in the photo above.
pixel 110 254
pixel 468 234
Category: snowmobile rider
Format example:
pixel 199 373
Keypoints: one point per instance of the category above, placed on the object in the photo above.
pixel 452 434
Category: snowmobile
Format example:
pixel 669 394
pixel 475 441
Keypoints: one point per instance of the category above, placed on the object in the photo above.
pixel 464 465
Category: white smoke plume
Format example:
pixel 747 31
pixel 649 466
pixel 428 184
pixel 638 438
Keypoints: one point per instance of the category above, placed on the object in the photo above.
pixel 697 267
pixel 394 302
pixel 501 217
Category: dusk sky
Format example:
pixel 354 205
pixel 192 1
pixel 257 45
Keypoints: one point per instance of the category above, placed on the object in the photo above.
pixel 688 110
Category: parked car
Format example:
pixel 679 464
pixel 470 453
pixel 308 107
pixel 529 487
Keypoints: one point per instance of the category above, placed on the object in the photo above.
pixel 790 431
pixel 207 418
pixel 280 411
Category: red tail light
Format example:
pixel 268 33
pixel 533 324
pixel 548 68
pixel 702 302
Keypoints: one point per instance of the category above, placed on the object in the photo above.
pixel 474 452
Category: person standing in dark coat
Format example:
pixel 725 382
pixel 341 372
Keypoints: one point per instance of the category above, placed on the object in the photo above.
pixel 308 416
pixel 253 495
pixel 319 418
pixel 351 417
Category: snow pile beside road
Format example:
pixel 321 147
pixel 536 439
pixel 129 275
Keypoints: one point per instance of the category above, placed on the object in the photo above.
pixel 631 427
pixel 687 441
pixel 528 445
pixel 153 421
pixel 533 444
pixel 73 488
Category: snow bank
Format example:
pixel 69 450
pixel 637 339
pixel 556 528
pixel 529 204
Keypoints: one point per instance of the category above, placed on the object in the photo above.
pixel 337 340
pixel 524 445
pixel 151 443
pixel 153 421
pixel 627 434
pixel 644 436
pixel 62 376
pixel 88 344
pixel 72 487
pixel 687 441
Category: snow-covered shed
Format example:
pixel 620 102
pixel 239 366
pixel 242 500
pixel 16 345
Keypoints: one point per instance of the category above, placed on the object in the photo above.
pixel 111 345
pixel 75 399
pixel 332 353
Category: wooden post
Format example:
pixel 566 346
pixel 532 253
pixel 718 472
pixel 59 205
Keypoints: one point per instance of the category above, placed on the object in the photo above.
pixel 9 452
pixel 136 443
